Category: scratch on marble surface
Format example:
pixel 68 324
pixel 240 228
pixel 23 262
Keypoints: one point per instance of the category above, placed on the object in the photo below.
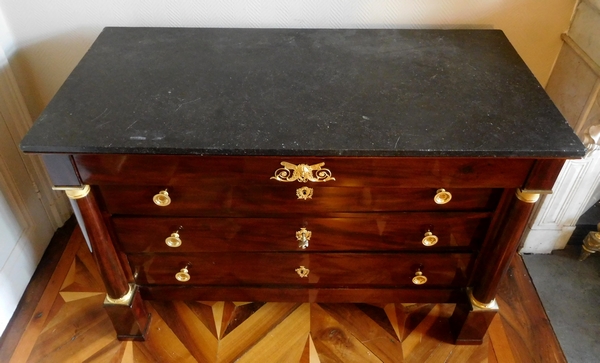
pixel 104 113
pixel 185 103
pixel 133 123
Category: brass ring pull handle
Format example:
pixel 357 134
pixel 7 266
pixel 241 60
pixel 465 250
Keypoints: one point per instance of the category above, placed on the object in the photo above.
pixel 183 275
pixel 174 240
pixel 419 278
pixel 303 236
pixel 162 199
pixel 442 196
pixel 302 271
pixel 430 239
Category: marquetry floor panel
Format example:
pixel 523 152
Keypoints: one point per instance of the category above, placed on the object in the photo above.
pixel 71 326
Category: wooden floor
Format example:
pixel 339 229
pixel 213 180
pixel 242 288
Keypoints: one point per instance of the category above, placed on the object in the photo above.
pixel 65 322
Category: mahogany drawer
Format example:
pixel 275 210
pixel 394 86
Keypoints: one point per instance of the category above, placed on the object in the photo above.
pixel 245 200
pixel 359 232
pixel 326 269
pixel 214 171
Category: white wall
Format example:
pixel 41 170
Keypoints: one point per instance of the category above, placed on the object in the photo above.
pixel 29 210
pixel 52 36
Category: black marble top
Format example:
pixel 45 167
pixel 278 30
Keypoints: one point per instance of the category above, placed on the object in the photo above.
pixel 292 92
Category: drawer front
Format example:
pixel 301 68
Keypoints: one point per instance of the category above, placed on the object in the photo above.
pixel 226 200
pixel 214 171
pixel 334 269
pixel 383 232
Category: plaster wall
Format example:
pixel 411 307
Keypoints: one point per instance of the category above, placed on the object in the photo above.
pixel 29 210
pixel 52 36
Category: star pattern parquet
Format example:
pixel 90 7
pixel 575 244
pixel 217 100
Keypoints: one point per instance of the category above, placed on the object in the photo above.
pixel 73 327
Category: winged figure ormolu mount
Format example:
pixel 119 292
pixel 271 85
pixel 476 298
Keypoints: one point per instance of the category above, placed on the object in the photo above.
pixel 302 173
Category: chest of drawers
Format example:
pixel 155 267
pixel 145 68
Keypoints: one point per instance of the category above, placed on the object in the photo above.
pixel 302 165
pixel 246 222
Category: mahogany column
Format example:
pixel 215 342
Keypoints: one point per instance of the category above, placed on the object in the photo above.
pixel 122 303
pixel 471 319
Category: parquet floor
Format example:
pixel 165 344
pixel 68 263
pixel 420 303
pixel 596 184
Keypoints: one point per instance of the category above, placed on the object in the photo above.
pixel 69 324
